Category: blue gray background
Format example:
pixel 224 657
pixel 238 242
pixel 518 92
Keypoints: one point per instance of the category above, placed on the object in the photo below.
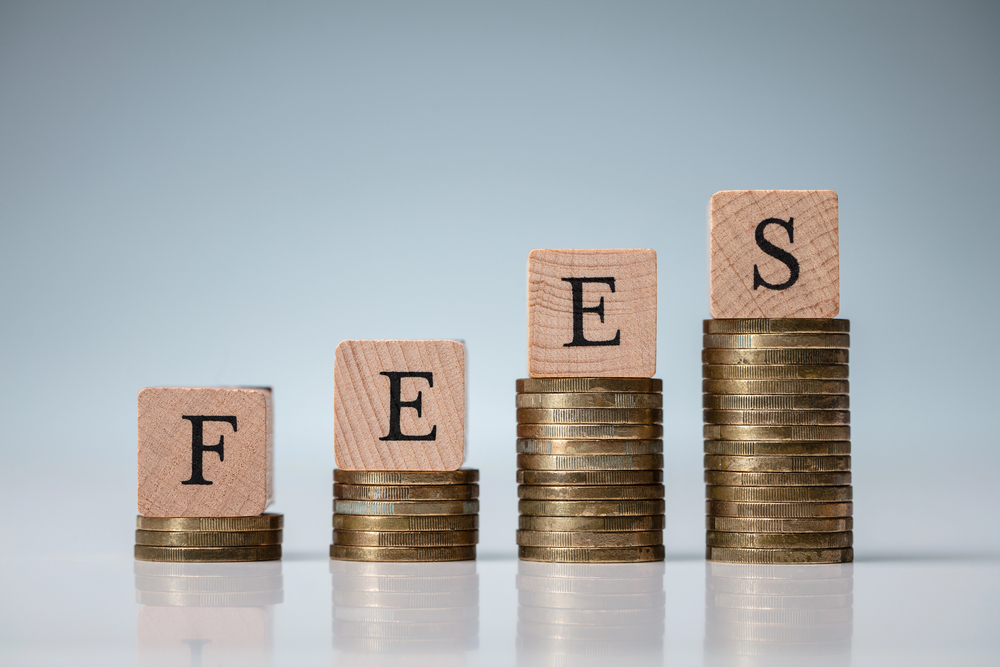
pixel 218 193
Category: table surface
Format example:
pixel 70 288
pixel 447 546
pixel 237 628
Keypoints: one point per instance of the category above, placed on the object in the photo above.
pixel 308 610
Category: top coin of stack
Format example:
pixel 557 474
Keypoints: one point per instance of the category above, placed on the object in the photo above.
pixel 777 440
pixel 405 515
pixel 590 469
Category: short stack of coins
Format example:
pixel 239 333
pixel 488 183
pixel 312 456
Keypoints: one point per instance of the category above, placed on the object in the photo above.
pixel 777 441
pixel 209 539
pixel 590 469
pixel 396 516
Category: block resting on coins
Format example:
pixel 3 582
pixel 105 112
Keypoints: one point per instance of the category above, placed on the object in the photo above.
pixel 399 405
pixel 774 253
pixel 592 313
pixel 205 452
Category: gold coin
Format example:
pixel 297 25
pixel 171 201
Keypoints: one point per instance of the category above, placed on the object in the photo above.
pixel 201 538
pixel 780 494
pixel 768 556
pixel 589 618
pixel 590 507
pixel 776 326
pixel 590 523
pixel 406 523
pixel 211 523
pixel 590 462
pixel 802 355
pixel 589 477
pixel 585 555
pixel 602 399
pixel 591 431
pixel 786 402
pixel 727 478
pixel 780 540
pixel 779 510
pixel 532 538
pixel 786 372
pixel 778 463
pixel 394 599
pixel 778 448
pixel 564 447
pixel 390 507
pixel 406 478
pixel 629 492
pixel 749 525
pixel 778 417
pixel 207 554
pixel 638 633
pixel 449 492
pixel 779 341
pixel 234 599
pixel 435 632
pixel 588 385
pixel 397 554
pixel 795 587
pixel 589 416
pixel 741 432
pixel 815 637
pixel 451 538
pixel 754 387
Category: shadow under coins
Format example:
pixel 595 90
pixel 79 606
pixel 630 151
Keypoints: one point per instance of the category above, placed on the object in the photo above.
pixel 206 614
pixel 405 614
pixel 585 614
pixel 778 614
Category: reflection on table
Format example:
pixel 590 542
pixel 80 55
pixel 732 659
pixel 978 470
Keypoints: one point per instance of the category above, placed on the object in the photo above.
pixel 778 614
pixel 405 613
pixel 206 614
pixel 585 614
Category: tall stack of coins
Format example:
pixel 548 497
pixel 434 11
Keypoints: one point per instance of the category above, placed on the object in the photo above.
pixel 590 469
pixel 403 610
pixel 208 539
pixel 777 441
pixel 583 613
pixel 405 516
pixel 798 614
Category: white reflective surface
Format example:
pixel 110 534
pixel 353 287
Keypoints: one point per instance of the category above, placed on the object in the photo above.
pixel 307 610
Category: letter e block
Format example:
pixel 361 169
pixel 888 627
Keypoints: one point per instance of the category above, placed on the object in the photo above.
pixel 399 405
pixel 205 452
pixel 775 253
pixel 592 313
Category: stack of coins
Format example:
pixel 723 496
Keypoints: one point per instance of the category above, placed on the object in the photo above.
pixel 777 441
pixel 405 516
pixel 761 612
pixel 404 609
pixel 256 584
pixel 589 614
pixel 208 539
pixel 590 469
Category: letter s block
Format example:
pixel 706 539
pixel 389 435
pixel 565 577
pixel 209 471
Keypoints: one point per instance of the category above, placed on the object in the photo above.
pixel 399 405
pixel 592 313
pixel 205 451
pixel 774 253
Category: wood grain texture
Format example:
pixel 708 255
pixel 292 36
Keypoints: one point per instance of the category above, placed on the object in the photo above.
pixel 629 313
pixel 362 405
pixel 242 483
pixel 735 216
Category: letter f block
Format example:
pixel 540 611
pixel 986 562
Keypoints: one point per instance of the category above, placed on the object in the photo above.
pixel 774 253
pixel 592 313
pixel 399 405
pixel 205 452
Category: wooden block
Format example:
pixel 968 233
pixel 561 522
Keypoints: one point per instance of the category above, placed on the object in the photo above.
pixel 399 405
pixel 775 253
pixel 592 313
pixel 205 452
